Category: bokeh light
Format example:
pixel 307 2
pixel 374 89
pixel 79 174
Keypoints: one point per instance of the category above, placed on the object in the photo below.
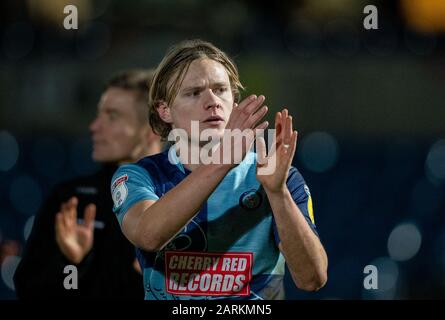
pixel 404 242
pixel 388 277
pixel 8 268
pixel 435 162
pixel 319 152
pixel 28 227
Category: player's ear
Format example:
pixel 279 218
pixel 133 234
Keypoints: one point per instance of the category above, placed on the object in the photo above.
pixel 164 112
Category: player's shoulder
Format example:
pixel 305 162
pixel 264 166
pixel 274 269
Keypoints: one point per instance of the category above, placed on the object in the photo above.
pixel 155 162
pixel 157 157
pixel 294 173
pixel 143 164
pixel 125 171
pixel 294 178
pixel 296 183
pixel 143 170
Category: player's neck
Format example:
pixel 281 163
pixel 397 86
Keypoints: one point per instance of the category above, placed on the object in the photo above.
pixel 194 155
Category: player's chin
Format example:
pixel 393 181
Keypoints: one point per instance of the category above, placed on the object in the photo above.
pixel 97 157
pixel 100 155
pixel 215 132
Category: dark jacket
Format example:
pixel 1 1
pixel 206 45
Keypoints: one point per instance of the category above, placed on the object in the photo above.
pixel 106 272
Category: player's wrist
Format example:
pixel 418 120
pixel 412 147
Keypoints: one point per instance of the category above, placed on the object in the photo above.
pixel 221 167
pixel 73 255
pixel 279 191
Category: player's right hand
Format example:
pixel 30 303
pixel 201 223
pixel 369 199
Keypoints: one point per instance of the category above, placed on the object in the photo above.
pixel 75 240
pixel 248 114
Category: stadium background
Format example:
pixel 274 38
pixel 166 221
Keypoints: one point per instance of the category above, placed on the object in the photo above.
pixel 369 107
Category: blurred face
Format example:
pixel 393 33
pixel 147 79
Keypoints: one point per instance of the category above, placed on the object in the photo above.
pixel 205 96
pixel 117 133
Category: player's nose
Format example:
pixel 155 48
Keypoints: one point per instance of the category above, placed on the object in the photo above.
pixel 211 100
pixel 95 125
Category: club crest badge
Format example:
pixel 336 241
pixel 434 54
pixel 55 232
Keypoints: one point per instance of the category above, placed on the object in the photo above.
pixel 119 190
pixel 251 199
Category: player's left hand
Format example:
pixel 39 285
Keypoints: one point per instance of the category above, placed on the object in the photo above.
pixel 272 169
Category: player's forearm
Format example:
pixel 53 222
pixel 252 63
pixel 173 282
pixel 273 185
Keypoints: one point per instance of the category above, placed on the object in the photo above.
pixel 304 253
pixel 166 217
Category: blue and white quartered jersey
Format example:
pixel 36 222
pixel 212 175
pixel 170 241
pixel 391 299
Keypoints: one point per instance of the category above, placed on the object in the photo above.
pixel 229 249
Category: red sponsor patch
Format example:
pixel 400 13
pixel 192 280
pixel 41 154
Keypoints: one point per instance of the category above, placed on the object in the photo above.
pixel 208 274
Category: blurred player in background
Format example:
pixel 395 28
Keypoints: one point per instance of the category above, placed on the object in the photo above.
pixel 76 225
pixel 222 230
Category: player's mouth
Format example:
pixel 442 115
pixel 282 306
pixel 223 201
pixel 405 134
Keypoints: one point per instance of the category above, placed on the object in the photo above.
pixel 214 120
pixel 97 142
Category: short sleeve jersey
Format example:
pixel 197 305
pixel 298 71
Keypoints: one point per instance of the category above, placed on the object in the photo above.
pixel 230 247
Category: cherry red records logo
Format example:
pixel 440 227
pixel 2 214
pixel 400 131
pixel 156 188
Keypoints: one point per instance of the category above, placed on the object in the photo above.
pixel 208 274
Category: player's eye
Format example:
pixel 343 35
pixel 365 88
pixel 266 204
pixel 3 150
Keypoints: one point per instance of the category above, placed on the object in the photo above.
pixel 220 90
pixel 113 115
pixel 193 93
